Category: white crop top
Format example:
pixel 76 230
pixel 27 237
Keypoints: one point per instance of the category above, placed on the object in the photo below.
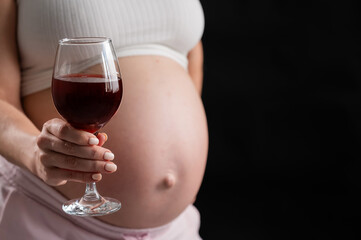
pixel 168 28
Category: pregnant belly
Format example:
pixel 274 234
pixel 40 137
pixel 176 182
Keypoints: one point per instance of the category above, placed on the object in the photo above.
pixel 159 138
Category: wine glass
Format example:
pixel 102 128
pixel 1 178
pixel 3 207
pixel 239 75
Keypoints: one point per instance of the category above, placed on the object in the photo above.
pixel 87 91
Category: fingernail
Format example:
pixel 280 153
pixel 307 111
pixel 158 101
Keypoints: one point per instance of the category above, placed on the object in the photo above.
pixel 97 176
pixel 106 136
pixel 110 167
pixel 108 156
pixel 93 141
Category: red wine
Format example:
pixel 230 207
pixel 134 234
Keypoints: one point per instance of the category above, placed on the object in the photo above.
pixel 87 102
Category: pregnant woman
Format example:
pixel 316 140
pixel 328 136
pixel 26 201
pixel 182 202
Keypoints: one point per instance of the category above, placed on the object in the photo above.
pixel 153 155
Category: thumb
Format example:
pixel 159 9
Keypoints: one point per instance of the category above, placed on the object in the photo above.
pixel 102 137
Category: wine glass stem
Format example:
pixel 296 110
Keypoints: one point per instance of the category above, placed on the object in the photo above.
pixel 91 193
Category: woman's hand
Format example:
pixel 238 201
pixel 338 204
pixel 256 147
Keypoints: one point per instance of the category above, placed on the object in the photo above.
pixel 64 153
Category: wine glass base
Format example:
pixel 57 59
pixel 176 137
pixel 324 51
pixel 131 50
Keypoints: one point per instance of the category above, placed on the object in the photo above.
pixel 77 207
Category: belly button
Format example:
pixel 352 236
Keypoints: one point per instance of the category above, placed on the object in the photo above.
pixel 169 180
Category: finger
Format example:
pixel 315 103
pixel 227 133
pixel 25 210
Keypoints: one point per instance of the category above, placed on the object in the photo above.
pixel 61 175
pixel 77 164
pixel 66 132
pixel 51 144
pixel 102 137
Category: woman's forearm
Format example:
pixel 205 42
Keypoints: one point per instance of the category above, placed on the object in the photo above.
pixel 17 136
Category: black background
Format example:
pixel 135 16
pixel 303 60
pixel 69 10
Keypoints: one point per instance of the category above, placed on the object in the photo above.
pixel 282 93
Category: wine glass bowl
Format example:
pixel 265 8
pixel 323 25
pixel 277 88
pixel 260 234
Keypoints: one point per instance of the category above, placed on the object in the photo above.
pixel 87 90
pixel 86 101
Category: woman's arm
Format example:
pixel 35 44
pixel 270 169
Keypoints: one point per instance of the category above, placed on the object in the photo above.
pixel 195 66
pixel 56 154
pixel 17 133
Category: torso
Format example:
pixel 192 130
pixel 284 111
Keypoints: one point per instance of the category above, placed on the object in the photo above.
pixel 159 131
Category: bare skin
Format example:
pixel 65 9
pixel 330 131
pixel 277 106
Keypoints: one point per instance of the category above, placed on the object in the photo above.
pixel 159 136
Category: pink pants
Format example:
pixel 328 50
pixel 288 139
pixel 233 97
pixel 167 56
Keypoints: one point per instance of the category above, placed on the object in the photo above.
pixel 30 209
